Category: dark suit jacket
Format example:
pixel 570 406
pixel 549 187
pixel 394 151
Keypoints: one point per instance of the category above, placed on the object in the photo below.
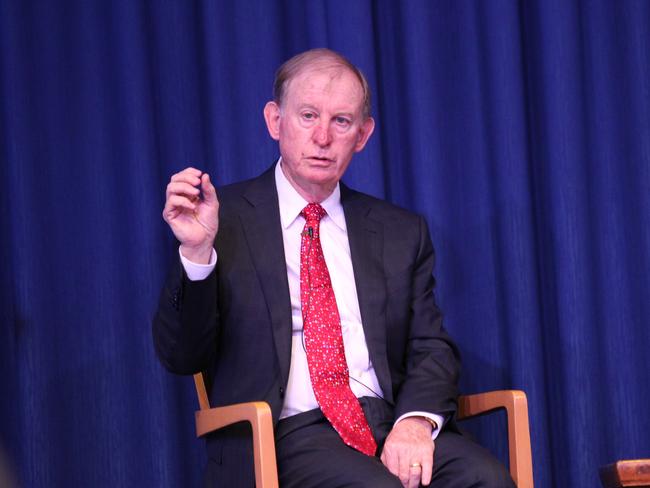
pixel 237 322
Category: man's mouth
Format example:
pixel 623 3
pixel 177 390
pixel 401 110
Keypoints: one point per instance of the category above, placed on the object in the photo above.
pixel 321 159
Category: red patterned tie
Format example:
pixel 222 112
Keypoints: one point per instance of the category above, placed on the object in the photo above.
pixel 328 369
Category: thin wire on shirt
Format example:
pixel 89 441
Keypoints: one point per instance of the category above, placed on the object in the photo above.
pixel 302 331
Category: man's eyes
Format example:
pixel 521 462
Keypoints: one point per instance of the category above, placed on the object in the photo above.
pixel 338 120
pixel 343 121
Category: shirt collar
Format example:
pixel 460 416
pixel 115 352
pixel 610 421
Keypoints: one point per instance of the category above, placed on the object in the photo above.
pixel 291 203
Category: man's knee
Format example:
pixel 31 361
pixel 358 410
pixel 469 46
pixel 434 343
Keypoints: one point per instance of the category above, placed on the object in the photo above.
pixel 461 463
pixel 380 481
pixel 486 474
pixel 373 474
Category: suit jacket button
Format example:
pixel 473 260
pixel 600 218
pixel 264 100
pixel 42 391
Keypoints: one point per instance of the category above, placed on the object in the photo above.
pixel 174 299
pixel 281 392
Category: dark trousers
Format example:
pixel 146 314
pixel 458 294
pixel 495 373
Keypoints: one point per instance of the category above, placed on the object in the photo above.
pixel 311 454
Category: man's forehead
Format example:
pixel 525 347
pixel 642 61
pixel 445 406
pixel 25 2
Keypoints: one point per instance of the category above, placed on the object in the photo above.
pixel 326 77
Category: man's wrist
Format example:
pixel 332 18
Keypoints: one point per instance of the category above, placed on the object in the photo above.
pixel 197 271
pixel 197 255
pixel 420 422
pixel 433 423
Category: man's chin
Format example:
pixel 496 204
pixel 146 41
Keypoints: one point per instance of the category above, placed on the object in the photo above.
pixel 323 180
pixel 317 163
pixel 322 176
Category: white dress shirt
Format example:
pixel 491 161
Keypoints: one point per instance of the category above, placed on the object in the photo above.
pixel 299 396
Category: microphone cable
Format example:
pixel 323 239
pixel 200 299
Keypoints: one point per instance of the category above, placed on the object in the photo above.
pixel 310 233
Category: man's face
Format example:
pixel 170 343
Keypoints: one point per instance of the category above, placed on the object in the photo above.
pixel 319 127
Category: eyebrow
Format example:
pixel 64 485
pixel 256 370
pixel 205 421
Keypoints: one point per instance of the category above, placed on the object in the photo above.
pixel 335 114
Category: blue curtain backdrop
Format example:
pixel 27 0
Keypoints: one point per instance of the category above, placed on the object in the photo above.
pixel 520 130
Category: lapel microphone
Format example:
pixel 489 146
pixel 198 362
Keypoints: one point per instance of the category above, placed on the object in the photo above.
pixel 309 232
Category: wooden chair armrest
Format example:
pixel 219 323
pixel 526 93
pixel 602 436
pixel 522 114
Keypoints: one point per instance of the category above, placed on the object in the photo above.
pixel 628 472
pixel 516 406
pixel 482 403
pixel 259 416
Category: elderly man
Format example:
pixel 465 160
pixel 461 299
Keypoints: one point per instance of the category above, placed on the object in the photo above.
pixel 296 290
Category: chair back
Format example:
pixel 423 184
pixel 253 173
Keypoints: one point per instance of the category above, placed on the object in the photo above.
pixel 201 391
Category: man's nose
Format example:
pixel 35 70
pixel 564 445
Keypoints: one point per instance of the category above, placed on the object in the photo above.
pixel 321 135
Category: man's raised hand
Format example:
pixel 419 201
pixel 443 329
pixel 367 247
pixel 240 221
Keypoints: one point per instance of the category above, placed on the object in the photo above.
pixel 194 219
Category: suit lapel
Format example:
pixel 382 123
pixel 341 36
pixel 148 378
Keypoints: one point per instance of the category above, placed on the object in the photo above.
pixel 263 230
pixel 366 238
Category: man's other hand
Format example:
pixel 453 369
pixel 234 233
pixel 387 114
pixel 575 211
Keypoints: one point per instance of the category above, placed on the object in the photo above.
pixel 408 452
pixel 194 219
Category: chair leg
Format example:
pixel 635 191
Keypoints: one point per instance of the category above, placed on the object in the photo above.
pixel 266 474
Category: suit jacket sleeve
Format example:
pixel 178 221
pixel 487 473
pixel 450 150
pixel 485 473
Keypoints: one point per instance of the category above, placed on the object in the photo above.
pixel 184 327
pixel 431 362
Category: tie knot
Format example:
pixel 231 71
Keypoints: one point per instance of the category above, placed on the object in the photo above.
pixel 313 211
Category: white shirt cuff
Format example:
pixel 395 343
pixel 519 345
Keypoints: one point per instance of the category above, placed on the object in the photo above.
pixel 438 419
pixel 195 271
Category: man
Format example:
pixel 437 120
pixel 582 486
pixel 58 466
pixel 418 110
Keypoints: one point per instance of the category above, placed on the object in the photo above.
pixel 301 292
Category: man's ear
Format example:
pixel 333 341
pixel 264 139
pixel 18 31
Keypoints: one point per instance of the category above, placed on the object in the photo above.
pixel 272 118
pixel 365 131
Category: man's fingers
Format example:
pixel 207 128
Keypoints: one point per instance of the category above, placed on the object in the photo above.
pixel 181 188
pixel 427 471
pixel 175 204
pixel 187 183
pixel 189 175
pixel 391 463
pixel 405 470
pixel 414 476
pixel 209 192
